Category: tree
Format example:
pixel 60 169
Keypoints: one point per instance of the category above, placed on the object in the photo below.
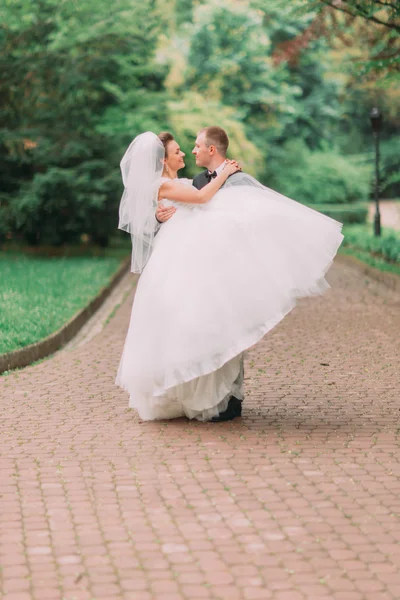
pixel 372 26
pixel 78 83
pixel 381 12
pixel 224 59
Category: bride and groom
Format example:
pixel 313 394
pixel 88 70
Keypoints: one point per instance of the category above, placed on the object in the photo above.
pixel 216 277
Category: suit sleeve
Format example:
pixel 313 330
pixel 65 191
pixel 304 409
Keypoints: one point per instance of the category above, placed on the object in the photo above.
pixel 240 178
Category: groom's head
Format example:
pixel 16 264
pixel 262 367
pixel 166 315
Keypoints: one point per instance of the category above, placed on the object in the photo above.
pixel 210 147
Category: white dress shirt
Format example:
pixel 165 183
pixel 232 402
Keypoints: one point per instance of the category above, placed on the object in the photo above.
pixel 218 169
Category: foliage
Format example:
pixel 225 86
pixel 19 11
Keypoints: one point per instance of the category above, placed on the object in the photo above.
pixel 191 112
pixel 386 245
pixel 299 43
pixel 79 81
pixel 60 204
pixel 230 58
pixel 320 177
pixel 345 213
pixel 384 13
pixel 369 29
pixel 74 75
pixel 390 164
pixel 225 59
pixel 374 261
pixel 38 295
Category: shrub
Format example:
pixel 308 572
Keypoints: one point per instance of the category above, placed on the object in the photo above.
pixel 87 83
pixel 57 206
pixel 390 177
pixel 321 177
pixel 387 245
pixel 5 225
pixel 345 213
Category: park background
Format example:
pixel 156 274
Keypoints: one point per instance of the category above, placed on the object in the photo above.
pixel 292 82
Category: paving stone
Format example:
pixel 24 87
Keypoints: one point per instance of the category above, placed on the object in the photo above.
pixel 297 499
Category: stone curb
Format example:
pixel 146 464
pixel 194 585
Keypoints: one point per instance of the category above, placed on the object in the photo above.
pixel 29 354
pixel 391 280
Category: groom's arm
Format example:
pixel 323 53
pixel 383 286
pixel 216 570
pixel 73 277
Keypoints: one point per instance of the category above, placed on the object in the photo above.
pixel 163 213
pixel 240 178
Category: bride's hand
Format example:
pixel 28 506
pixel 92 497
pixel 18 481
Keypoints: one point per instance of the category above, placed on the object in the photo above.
pixel 231 167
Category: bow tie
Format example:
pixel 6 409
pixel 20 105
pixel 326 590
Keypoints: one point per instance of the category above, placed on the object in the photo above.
pixel 210 176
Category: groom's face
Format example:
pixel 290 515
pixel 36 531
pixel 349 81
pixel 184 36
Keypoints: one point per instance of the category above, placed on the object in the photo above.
pixel 202 152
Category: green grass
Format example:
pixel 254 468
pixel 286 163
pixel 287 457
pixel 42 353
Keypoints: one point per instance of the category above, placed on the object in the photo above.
pixel 38 294
pixel 382 252
pixel 373 261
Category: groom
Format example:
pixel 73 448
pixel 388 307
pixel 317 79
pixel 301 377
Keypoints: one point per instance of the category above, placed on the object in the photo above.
pixel 210 150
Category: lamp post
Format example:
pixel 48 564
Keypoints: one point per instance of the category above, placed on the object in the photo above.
pixel 376 122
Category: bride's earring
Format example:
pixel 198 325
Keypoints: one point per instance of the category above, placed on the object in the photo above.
pixel 166 168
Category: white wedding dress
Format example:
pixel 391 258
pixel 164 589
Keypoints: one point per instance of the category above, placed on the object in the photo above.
pixel 221 275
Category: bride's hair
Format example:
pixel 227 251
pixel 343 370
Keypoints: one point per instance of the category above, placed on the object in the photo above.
pixel 166 137
pixel 216 136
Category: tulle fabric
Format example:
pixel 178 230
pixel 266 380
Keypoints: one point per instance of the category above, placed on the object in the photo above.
pixel 220 277
pixel 141 169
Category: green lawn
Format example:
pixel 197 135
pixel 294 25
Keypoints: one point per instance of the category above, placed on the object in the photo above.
pixel 372 261
pixel 381 252
pixel 38 295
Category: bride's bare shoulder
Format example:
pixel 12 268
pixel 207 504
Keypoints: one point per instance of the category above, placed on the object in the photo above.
pixel 169 187
pixel 185 181
pixel 168 184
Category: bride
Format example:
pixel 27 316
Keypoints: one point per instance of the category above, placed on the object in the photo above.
pixel 215 279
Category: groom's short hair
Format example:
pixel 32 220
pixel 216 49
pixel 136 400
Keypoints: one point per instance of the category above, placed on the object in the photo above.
pixel 216 136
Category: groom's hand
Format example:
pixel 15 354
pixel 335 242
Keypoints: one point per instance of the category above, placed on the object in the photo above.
pixel 163 213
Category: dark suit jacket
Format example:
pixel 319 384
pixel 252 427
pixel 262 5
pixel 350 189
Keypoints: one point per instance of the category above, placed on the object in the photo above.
pixel 201 180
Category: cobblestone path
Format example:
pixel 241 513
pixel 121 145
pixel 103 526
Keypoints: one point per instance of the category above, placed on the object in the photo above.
pixel 298 500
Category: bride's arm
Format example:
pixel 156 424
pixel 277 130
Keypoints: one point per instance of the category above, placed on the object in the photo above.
pixel 182 193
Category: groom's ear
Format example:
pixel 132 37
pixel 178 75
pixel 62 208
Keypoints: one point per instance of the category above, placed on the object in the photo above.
pixel 212 149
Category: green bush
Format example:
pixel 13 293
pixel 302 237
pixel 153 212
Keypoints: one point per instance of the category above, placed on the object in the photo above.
pixel 5 224
pixel 386 245
pixel 319 177
pixel 390 176
pixel 345 213
pixel 58 206
pixel 87 84
pixel 389 186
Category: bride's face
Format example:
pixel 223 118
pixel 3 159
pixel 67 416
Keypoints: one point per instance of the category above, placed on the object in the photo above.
pixel 174 159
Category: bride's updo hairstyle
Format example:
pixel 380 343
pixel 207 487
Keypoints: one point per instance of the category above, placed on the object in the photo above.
pixel 166 138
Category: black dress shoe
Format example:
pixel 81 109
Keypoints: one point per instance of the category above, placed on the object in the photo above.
pixel 233 410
